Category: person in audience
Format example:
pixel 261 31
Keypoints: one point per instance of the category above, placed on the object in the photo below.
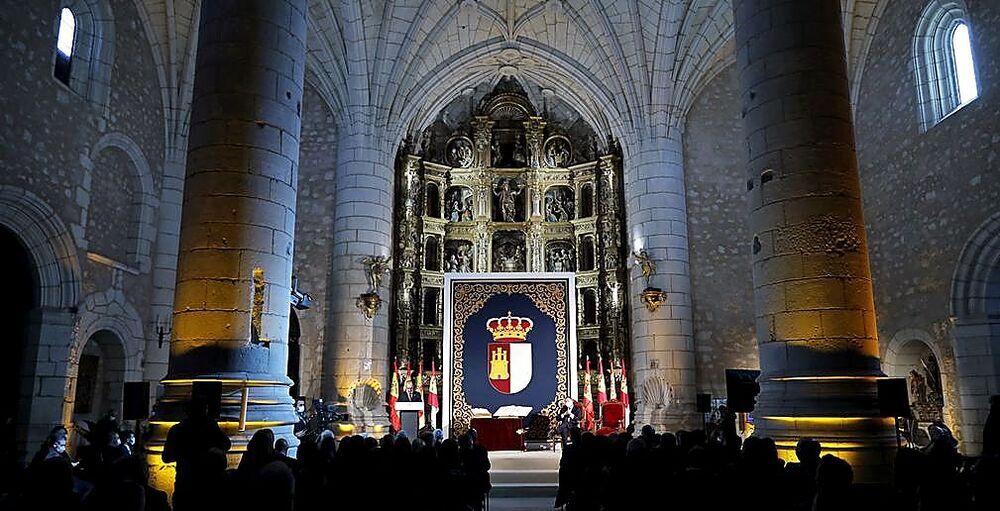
pixel 190 443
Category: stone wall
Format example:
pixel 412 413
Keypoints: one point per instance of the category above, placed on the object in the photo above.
pixel 91 164
pixel 314 232
pixel 718 234
pixel 925 194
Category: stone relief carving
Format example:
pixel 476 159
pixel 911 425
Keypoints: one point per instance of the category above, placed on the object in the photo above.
pixel 458 257
pixel 558 152
pixel 560 256
pixel 459 204
pixel 460 153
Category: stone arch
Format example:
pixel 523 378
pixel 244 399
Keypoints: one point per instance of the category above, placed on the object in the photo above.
pixel 977 267
pixel 902 354
pixel 48 241
pixel 124 341
pixel 145 201
pixel 975 308
pixel 93 50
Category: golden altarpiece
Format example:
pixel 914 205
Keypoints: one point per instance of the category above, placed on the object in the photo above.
pixel 507 194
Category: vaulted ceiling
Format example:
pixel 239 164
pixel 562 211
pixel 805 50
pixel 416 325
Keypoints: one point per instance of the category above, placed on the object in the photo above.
pixel 386 67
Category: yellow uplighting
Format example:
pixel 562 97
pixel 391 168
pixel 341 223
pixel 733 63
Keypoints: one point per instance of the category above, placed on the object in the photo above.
pixel 827 378
pixel 233 424
pixel 827 420
pixel 249 383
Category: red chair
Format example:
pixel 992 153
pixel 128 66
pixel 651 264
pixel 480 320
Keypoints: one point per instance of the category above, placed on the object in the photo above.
pixel 612 418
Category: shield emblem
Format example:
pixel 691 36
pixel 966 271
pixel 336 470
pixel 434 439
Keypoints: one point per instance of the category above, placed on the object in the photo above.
pixel 509 366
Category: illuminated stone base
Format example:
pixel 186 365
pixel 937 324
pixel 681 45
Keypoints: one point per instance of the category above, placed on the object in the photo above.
pixel 839 412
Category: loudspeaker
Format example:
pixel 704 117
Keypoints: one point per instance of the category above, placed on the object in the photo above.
pixel 209 392
pixel 893 397
pixel 742 389
pixel 703 403
pixel 135 400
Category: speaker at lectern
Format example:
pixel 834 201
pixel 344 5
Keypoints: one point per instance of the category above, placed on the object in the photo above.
pixel 409 416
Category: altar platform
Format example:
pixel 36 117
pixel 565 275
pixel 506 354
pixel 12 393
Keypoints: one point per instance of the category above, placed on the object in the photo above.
pixel 519 476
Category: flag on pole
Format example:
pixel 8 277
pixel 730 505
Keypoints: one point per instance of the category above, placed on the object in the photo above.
pixel 588 405
pixel 420 390
pixel 602 390
pixel 393 396
pixel 432 396
pixel 625 396
pixel 612 392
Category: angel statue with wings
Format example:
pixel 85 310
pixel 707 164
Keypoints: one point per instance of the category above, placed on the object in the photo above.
pixel 375 267
pixel 646 264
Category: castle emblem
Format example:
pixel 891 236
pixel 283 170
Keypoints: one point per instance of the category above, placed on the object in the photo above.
pixel 509 355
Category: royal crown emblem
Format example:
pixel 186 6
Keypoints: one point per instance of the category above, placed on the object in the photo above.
pixel 509 355
pixel 509 328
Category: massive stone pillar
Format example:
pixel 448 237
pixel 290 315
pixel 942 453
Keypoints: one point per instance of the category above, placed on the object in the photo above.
pixel 230 322
pixel 663 356
pixel 357 349
pixel 815 315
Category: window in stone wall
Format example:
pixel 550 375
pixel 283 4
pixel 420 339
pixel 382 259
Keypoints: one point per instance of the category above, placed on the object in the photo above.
pixel 965 72
pixel 943 60
pixel 64 45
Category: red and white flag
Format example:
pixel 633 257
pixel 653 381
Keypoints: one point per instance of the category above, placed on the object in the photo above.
pixel 432 396
pixel 420 389
pixel 602 389
pixel 625 396
pixel 585 401
pixel 394 396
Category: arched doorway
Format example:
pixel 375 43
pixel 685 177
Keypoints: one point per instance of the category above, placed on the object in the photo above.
pixel 975 309
pixel 294 350
pixel 915 360
pixel 100 378
pixel 18 300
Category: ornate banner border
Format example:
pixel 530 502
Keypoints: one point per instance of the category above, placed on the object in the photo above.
pixel 465 293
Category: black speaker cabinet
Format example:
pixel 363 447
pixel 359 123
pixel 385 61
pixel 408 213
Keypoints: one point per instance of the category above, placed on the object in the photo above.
pixel 893 397
pixel 703 402
pixel 135 400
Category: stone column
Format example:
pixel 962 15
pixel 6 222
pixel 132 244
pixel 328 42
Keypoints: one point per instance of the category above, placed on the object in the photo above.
pixel 815 314
pixel 358 348
pixel 663 354
pixel 231 305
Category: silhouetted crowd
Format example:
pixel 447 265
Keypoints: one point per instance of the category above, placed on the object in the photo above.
pixel 720 472
pixel 596 473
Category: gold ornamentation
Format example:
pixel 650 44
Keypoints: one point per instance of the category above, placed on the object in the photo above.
pixel 653 298
pixel 369 304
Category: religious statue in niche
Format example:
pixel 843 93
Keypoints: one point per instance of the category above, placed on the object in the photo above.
pixel 460 153
pixel 557 152
pixel 458 256
pixel 559 204
pixel 507 191
pixel 560 257
pixel 508 149
pixel 459 204
pixel 926 395
pixel 508 251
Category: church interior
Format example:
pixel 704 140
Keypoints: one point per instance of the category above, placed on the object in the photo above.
pixel 772 221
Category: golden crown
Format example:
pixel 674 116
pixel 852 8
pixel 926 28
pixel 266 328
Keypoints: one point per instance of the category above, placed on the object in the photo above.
pixel 509 328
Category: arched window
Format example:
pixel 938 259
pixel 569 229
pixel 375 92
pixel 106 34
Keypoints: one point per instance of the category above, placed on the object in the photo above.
pixel 965 70
pixel 64 45
pixel 84 49
pixel 943 60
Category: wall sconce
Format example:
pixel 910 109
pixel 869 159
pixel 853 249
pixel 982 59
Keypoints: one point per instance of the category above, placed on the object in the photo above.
pixel 369 304
pixel 653 298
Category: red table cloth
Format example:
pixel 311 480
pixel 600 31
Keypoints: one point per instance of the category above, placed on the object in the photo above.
pixel 499 434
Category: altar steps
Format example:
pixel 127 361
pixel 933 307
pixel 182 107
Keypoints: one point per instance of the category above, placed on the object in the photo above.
pixel 523 475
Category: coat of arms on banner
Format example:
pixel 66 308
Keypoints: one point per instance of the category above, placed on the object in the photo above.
pixel 509 355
